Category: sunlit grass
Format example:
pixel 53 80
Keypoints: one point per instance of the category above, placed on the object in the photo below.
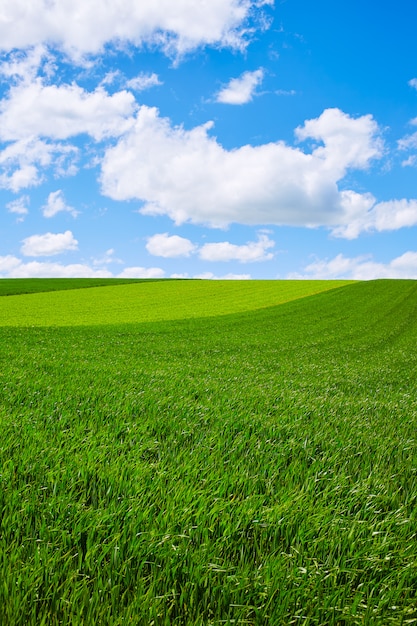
pixel 151 301
pixel 255 468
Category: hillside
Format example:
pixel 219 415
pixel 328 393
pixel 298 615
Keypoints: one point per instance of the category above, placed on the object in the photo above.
pixel 255 468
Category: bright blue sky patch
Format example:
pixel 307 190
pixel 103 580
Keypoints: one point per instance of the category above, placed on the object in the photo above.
pixel 221 139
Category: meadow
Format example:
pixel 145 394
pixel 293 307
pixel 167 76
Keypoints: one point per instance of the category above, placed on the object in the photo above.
pixel 173 454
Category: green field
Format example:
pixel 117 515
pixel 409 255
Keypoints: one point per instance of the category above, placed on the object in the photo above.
pixel 206 453
pixel 115 303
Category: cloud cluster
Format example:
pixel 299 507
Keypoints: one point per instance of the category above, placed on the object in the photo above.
pixel 13 267
pixel 359 268
pixel 81 28
pixel 38 119
pixel 189 176
pixel 173 246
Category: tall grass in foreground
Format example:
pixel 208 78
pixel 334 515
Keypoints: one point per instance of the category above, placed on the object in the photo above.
pixel 257 468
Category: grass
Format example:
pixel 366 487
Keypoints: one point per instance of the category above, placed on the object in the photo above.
pixel 151 301
pixel 16 286
pixel 252 468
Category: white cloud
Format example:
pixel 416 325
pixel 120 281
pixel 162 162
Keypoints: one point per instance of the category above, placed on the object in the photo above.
pixel 210 276
pixel 409 141
pixel 81 27
pixel 348 142
pixel 59 112
pixel 413 83
pixel 24 65
pixel 23 162
pixel 368 215
pixel 285 92
pixel 169 246
pixel 56 204
pixel 8 264
pixel 19 207
pixel 142 272
pixel 35 117
pixel 241 90
pixel 411 161
pixel 13 267
pixel 189 176
pixel 143 81
pixel 360 268
pixel 107 259
pixel 49 244
pixel 248 253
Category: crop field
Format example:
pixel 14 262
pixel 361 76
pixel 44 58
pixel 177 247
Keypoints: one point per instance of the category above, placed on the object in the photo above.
pixel 147 301
pixel 205 453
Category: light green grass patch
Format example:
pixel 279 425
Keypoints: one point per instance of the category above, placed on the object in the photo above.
pixel 153 301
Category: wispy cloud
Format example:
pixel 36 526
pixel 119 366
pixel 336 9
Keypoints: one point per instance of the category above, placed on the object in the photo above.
pixel 56 204
pixel 143 81
pixel 241 90
pixel 19 207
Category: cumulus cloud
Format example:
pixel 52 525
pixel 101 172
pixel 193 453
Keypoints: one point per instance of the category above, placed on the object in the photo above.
pixel 248 253
pixel 413 83
pixel 173 246
pixel 143 81
pixel 36 118
pixel 58 112
pixel 169 246
pixel 56 204
pixel 241 90
pixel 189 176
pixel 80 27
pixel 24 65
pixel 360 268
pixel 367 215
pixel 49 244
pixel 347 142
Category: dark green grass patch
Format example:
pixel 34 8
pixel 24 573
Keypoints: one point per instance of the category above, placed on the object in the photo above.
pixel 16 286
pixel 258 468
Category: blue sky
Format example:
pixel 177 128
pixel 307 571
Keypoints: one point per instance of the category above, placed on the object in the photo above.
pixel 221 139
